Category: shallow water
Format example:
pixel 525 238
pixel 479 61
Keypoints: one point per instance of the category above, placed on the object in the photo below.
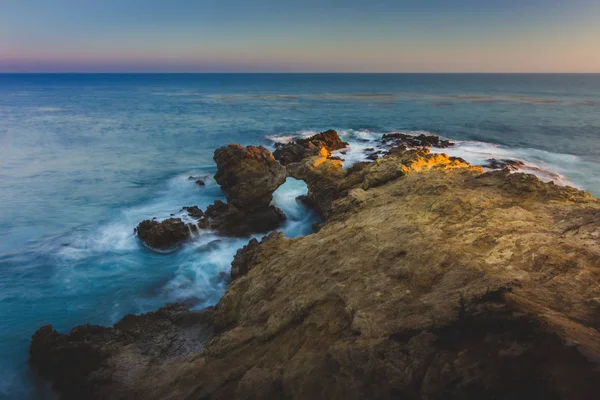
pixel 84 158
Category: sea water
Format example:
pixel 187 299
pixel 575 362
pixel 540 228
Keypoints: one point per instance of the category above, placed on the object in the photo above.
pixel 85 158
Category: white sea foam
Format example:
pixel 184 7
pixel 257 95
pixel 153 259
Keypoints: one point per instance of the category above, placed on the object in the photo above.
pixel 537 162
pixel 50 109
pixel 280 139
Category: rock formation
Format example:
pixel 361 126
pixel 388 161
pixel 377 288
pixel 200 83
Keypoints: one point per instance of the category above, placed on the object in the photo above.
pixel 429 279
pixel 95 362
pixel 164 235
pixel 320 144
pixel 248 176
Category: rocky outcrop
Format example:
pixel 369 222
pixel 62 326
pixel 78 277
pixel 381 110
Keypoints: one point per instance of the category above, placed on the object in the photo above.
pixel 94 362
pixel 253 253
pixel 248 176
pixel 405 140
pixel 321 144
pixel 164 235
pixel 429 279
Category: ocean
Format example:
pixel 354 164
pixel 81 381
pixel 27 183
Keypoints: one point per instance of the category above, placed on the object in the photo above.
pixel 85 157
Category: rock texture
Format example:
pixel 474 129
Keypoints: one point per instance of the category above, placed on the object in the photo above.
pixel 94 362
pixel 405 140
pixel 164 235
pixel 320 144
pixel 248 176
pixel 429 279
pixel 512 165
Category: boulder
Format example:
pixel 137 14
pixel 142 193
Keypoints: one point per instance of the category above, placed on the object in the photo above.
pixel 320 144
pixel 248 176
pixel 164 235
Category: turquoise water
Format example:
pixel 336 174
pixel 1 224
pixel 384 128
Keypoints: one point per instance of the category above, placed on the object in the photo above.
pixel 84 158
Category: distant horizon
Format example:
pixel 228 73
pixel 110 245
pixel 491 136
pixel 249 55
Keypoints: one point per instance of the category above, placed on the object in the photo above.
pixel 289 73
pixel 312 36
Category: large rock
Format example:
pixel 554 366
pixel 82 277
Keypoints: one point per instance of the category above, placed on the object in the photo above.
pixel 248 176
pixel 320 144
pixel 163 235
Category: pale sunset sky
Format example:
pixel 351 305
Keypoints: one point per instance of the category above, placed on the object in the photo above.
pixel 299 36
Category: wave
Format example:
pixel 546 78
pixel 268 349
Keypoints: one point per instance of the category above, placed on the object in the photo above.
pixel 51 109
pixel 196 274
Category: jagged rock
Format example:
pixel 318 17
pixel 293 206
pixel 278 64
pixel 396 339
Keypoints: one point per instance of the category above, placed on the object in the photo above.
pixel 164 235
pixel 512 165
pixel 248 176
pixel 320 144
pixel 251 254
pixel 94 362
pixel 422 140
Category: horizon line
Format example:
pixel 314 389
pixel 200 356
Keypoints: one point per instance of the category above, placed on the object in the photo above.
pixel 289 73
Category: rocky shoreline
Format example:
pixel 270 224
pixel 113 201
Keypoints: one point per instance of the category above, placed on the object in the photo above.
pixel 428 279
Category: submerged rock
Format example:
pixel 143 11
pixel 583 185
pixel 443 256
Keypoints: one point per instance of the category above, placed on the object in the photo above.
pixel 320 144
pixel 199 181
pixel 512 165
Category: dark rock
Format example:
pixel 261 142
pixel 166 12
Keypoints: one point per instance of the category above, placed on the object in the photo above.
pixel 194 212
pixel 165 235
pixel 88 362
pixel 252 254
pixel 512 165
pixel 320 144
pixel 231 221
pixel 199 181
pixel 422 140
pixel 248 176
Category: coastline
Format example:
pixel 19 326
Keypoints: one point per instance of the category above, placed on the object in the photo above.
pixel 423 268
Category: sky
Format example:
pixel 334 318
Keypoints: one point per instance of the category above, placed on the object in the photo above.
pixel 299 36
